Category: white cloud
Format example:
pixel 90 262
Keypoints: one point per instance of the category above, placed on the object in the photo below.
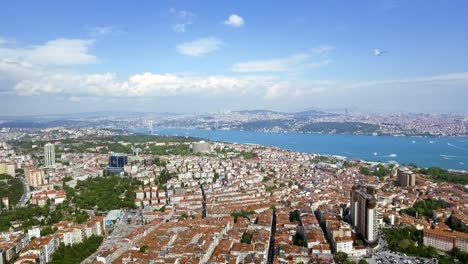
pixel 100 30
pixel 56 52
pixel 277 90
pixel 322 50
pixel 309 59
pixel 200 46
pixel 22 73
pixel 180 27
pixel 181 14
pixel 234 21
pixel 27 79
pixel 74 99
pixel 6 41
pixel 184 18
pixel 273 65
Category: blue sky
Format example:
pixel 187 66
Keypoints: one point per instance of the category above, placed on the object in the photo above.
pixel 195 56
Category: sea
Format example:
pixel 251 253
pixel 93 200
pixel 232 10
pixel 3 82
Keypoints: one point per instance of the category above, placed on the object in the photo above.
pixel 444 152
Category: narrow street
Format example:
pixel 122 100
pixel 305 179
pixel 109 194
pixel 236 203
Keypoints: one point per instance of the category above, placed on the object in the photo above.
pixel 203 202
pixel 271 247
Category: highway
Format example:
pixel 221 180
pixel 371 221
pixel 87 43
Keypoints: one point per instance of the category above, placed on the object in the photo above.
pixel 26 193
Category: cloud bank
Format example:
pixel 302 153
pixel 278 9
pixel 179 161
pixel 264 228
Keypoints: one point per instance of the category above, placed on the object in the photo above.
pixel 200 46
pixel 48 69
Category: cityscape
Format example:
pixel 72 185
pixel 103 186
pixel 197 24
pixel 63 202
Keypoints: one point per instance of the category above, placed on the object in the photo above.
pixel 103 196
pixel 233 132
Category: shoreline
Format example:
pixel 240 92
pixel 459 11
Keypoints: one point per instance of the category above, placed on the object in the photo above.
pixel 402 151
pixel 310 133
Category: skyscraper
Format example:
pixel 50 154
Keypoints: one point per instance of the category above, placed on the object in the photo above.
pixel 362 212
pixel 116 164
pixel 406 178
pixel 49 155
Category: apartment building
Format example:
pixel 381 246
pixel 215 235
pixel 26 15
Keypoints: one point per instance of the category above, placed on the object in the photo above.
pixel 363 212
pixel 445 240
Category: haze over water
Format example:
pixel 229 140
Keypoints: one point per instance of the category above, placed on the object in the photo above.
pixel 445 152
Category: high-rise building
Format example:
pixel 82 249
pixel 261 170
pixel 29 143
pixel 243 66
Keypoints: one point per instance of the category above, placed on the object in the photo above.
pixel 49 155
pixel 202 147
pixel 406 178
pixel 363 212
pixel 117 162
pixel 33 176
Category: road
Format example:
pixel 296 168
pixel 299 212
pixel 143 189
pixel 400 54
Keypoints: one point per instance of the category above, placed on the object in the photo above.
pixel 386 257
pixel 118 237
pixel 382 256
pixel 26 193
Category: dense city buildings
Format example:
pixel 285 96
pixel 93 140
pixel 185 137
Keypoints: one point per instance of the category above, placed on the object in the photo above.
pixel 237 203
pixel 234 132
pixel 315 121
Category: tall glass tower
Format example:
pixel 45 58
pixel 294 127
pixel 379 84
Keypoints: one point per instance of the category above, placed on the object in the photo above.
pixel 49 155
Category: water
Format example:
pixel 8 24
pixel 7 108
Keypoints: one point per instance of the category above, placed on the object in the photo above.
pixel 446 152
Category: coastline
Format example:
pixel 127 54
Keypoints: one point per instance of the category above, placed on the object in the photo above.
pixel 423 151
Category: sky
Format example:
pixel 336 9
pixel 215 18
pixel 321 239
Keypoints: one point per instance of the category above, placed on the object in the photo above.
pixel 213 55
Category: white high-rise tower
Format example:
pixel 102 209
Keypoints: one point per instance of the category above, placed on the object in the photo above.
pixel 49 155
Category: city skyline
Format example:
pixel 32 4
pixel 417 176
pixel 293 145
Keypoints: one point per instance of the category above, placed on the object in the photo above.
pixel 202 57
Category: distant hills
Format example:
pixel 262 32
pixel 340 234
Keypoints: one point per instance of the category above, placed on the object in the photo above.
pixel 263 120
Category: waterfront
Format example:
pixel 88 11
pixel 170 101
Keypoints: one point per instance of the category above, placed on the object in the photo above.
pixel 445 152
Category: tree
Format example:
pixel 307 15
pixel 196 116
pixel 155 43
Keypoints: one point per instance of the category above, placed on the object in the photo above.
pixel 246 238
pixel 143 249
pixel 423 208
pixel 386 220
pixel 76 253
pixel 242 213
pixel 408 240
pixel 216 177
pixel 119 193
pixel 265 179
pixel 363 261
pixel 340 257
pixel 47 230
pixel 294 216
pixel 11 187
pixel 364 170
pixel 381 171
pixel 440 174
pixel 299 240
